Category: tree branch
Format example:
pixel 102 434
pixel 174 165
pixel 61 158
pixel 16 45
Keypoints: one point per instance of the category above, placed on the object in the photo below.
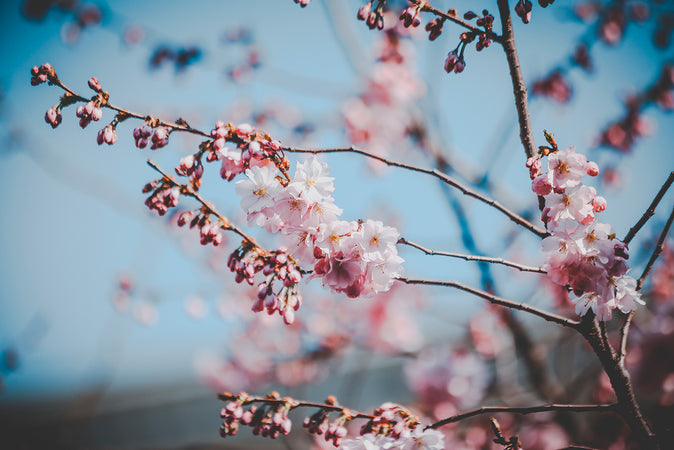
pixel 486 259
pixel 651 209
pixel 524 410
pixel 550 317
pixel 428 8
pixel 519 88
pixel 435 173
pixel 656 251
pixel 187 190
pixel 624 331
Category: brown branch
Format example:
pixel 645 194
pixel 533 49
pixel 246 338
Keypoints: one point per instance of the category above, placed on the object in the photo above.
pixel 173 126
pixel 486 259
pixel 651 209
pixel 435 173
pixel 550 317
pixel 524 410
pixel 656 252
pixel 428 8
pixel 627 405
pixel 187 190
pixel 624 331
pixel 519 88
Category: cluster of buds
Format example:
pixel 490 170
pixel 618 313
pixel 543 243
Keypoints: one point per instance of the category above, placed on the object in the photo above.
pixel 276 265
pixel 191 166
pixel 164 196
pixel 89 111
pixel 302 3
pixel 107 135
pixel 152 132
pixel 252 148
pixel 42 74
pixel 53 116
pixel 267 420
pixel 320 425
pixel 373 17
pixel 523 8
pixel 209 232
pixel 411 16
pixel 434 27
pixel 454 62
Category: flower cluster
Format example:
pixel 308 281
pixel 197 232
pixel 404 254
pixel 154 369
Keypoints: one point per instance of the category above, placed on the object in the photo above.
pixel 581 252
pixel 267 420
pixel 41 74
pixel 164 196
pixel 373 17
pixel 248 260
pixel 319 425
pixel 357 258
pixel 147 133
pixel 394 427
pixel 209 232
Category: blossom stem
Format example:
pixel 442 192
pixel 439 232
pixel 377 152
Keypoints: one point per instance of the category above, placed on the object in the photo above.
pixel 486 259
pixel 651 209
pixel 248 400
pixel 550 317
pixel 656 251
pixel 225 223
pixel 433 172
pixel 525 410
pixel 452 18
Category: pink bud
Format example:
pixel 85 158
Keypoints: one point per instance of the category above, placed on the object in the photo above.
pixel 542 185
pixel 599 203
pixel 95 84
pixel 592 168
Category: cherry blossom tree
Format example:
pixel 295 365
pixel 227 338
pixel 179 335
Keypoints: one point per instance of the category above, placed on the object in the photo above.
pixel 610 298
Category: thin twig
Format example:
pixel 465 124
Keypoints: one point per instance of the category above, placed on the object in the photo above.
pixel 624 331
pixel 187 190
pixel 458 21
pixel 656 251
pixel 433 172
pixel 127 113
pixel 250 399
pixel 651 209
pixel 525 410
pixel 550 317
pixel 486 259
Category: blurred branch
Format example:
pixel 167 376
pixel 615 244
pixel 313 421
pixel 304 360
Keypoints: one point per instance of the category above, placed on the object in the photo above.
pixel 656 252
pixel 651 209
pixel 486 259
pixel 550 317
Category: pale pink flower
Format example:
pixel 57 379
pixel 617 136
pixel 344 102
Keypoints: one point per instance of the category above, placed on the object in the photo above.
pixel 375 239
pixel 421 439
pixel 627 296
pixel 258 190
pixel 566 168
pixel 575 203
pixel 311 180
pixel 600 307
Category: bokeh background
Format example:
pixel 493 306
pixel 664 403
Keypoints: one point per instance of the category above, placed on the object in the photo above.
pixel 115 325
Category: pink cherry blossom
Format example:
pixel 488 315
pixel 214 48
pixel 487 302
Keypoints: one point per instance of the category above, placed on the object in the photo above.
pixel 259 189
